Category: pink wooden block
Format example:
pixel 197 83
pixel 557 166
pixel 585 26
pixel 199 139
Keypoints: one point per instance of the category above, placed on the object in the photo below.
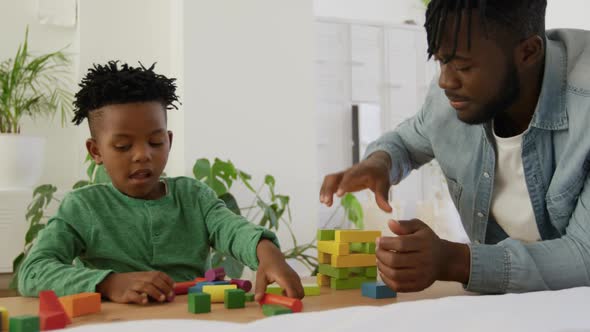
pixel 215 274
pixel 244 285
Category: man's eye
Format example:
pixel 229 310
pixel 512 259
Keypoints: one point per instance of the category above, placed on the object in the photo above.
pixel 465 68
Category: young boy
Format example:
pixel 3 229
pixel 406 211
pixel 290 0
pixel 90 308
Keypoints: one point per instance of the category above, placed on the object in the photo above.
pixel 138 235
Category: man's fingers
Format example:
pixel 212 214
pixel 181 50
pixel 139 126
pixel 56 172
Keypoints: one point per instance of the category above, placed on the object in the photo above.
pixel 402 287
pixel 329 187
pixel 405 227
pixel 382 194
pixel 404 244
pixel 399 260
pixel 352 181
pixel 396 274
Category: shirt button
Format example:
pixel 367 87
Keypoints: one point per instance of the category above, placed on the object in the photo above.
pixel 156 234
pixel 486 175
pixel 479 214
pixel 477 242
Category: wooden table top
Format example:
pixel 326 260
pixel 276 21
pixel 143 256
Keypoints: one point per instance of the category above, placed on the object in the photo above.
pixel 329 299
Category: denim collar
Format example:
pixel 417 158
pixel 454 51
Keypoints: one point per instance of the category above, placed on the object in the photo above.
pixel 551 112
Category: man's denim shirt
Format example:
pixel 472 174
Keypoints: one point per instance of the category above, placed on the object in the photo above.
pixel 556 160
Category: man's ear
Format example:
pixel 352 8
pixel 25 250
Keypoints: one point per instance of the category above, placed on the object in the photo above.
pixel 94 151
pixel 530 52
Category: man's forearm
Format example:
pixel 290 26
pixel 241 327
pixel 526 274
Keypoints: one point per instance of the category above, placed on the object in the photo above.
pixel 457 262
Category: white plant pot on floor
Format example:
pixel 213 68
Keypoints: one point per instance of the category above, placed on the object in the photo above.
pixel 21 160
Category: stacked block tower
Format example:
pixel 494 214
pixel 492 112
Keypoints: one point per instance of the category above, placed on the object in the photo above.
pixel 346 258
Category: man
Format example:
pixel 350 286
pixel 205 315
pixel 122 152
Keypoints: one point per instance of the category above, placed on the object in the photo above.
pixel 507 123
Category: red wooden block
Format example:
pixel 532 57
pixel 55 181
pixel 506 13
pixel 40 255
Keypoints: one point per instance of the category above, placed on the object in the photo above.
pixel 215 274
pixel 181 288
pixel 294 304
pixel 244 285
pixel 52 314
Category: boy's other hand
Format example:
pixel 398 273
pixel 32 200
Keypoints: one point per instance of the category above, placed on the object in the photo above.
pixel 272 267
pixel 136 287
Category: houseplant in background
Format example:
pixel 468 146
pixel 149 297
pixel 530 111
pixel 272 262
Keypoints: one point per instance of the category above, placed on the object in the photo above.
pixel 268 209
pixel 30 86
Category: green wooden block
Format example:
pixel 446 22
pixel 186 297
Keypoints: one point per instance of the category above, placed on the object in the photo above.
pixel 311 290
pixel 199 303
pixel 357 248
pixel 371 271
pixel 326 235
pixel 24 323
pixel 274 289
pixel 249 297
pixel 234 298
pixel 369 248
pixel 334 272
pixel 273 310
pixel 350 283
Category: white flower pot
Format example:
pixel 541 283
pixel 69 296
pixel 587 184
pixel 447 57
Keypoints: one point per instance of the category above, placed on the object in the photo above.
pixel 21 160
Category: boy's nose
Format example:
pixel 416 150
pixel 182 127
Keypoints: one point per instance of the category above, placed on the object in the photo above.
pixel 142 154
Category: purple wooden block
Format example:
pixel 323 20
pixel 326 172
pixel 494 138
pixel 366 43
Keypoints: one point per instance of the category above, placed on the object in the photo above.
pixel 244 285
pixel 215 274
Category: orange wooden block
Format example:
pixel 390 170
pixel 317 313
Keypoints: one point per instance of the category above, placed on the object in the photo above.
pixel 81 304
pixel 294 304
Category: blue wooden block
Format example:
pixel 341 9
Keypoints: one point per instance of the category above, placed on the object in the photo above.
pixel 198 288
pixel 377 290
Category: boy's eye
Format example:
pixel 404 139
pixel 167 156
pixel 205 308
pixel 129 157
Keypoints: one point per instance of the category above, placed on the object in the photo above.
pixel 156 143
pixel 122 147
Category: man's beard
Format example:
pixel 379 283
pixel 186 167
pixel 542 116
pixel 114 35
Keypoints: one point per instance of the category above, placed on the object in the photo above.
pixel 510 92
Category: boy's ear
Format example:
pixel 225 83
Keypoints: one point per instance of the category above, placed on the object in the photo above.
pixel 93 150
pixel 170 136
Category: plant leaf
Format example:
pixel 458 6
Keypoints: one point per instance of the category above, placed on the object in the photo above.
pixel 101 176
pixel 32 232
pixel 353 210
pixel 80 184
pixel 202 169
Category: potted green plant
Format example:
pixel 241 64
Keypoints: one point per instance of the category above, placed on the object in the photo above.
pixel 30 86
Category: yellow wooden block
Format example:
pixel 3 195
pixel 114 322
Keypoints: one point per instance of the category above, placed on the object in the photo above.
pixel 217 292
pixel 334 248
pixel 356 236
pixel 4 317
pixel 324 258
pixel 354 260
pixel 323 280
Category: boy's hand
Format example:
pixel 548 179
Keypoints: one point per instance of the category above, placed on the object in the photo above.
pixel 135 287
pixel 272 267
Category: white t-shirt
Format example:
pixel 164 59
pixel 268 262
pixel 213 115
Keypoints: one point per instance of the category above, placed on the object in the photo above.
pixel 511 203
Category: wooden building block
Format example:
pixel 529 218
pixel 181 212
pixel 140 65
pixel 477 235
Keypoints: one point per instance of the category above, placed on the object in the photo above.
pixel 215 274
pixel 274 289
pixel 333 248
pixel 217 292
pixel 4 319
pixel 199 303
pixel 24 323
pixel 311 290
pixel 249 297
pixel 356 236
pixel 81 304
pixel 181 288
pixel 322 280
pixel 52 314
pixel 198 288
pixel 350 283
pixel 354 260
pixel 294 304
pixel 371 271
pixel 377 290
pixel 325 235
pixel 245 285
pixel 334 272
pixel 234 299
pixel 369 247
pixel 324 258
pixel 274 310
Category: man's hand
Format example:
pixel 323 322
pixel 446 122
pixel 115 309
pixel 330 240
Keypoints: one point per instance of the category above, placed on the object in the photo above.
pixel 417 257
pixel 135 287
pixel 372 173
pixel 272 267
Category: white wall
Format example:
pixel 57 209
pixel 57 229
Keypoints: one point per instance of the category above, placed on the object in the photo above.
pixel 568 14
pixel 384 11
pixel 62 161
pixel 137 30
pixel 249 94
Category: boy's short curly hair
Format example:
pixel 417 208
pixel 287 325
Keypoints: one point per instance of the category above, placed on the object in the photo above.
pixel 112 83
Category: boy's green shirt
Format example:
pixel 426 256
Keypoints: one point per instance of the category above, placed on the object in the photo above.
pixel 111 232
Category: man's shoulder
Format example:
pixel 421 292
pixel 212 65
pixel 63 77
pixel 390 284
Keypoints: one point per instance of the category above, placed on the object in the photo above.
pixel 576 44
